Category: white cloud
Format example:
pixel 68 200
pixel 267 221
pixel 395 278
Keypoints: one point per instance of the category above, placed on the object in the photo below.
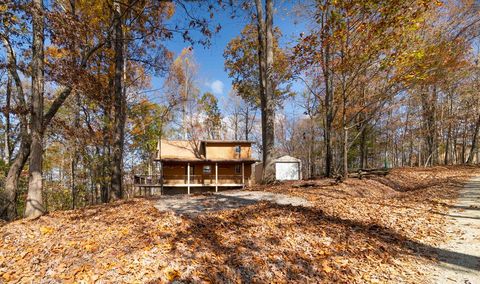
pixel 216 87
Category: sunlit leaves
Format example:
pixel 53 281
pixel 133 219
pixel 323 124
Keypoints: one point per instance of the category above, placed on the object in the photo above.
pixel 241 63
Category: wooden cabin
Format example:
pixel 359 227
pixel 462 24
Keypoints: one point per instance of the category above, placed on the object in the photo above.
pixel 197 166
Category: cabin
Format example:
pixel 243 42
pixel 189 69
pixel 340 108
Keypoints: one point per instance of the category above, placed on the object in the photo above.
pixel 187 166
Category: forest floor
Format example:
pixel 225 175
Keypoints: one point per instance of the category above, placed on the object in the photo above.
pixel 383 230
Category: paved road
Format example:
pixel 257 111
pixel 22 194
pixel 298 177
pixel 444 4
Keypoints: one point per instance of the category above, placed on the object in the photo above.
pixel 194 204
pixel 460 257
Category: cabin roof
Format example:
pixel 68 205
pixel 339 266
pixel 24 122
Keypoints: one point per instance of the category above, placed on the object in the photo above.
pixel 176 151
pixel 179 149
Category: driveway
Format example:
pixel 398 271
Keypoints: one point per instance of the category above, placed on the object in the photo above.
pixel 460 257
pixel 195 204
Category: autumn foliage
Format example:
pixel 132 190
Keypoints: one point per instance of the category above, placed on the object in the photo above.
pixel 378 231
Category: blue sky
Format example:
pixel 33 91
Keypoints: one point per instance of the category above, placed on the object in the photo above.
pixel 211 74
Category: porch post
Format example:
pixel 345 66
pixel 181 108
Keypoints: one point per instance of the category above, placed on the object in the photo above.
pixel 161 178
pixel 188 178
pixel 216 177
pixel 243 175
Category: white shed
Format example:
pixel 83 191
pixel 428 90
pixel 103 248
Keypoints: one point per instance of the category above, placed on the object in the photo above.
pixel 288 168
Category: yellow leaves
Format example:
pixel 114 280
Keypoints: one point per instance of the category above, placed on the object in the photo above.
pixel 326 267
pixel 8 276
pixel 46 230
pixel 170 9
pixel 54 52
pixel 125 231
pixel 91 247
pixel 172 274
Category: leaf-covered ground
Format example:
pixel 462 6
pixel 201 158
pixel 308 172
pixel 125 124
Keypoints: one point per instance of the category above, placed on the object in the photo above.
pixel 361 231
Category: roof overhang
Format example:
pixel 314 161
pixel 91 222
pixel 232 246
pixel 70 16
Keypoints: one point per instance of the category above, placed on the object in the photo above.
pixel 228 142
pixel 203 161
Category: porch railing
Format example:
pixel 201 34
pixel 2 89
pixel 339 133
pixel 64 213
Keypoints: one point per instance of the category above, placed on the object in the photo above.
pixel 183 179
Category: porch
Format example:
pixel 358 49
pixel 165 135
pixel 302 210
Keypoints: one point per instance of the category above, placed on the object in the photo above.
pixel 193 180
pixel 188 177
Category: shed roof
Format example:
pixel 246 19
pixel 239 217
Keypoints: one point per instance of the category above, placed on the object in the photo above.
pixel 287 158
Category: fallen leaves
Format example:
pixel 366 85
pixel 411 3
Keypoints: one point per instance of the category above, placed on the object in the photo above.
pixel 46 230
pixel 172 274
pixel 369 231
pixel 326 267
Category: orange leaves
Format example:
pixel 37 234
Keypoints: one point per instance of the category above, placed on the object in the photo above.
pixel 326 267
pixel 172 274
pixel 91 247
pixel 354 233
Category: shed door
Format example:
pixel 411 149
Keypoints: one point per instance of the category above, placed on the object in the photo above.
pixel 287 171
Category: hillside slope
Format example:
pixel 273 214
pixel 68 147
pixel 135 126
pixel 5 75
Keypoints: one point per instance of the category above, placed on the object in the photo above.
pixel 360 231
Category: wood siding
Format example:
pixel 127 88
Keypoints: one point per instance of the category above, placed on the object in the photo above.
pixel 175 174
pixel 227 151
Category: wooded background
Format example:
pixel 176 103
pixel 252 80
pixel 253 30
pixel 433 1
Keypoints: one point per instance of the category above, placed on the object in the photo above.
pixel 385 84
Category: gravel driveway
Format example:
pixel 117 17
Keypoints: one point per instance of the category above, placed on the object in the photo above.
pixel 460 257
pixel 194 204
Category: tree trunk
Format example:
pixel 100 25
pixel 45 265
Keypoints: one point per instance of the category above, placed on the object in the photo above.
pixel 363 148
pixel 119 106
pixel 344 133
pixel 7 145
pixel 11 182
pixel 328 113
pixel 473 148
pixel 269 173
pixel 9 213
pixel 447 144
pixel 267 94
pixel 345 153
pixel 34 203
pixel 247 122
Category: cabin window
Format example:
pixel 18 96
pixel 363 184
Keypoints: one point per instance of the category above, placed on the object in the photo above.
pixel 238 169
pixel 238 149
pixel 207 169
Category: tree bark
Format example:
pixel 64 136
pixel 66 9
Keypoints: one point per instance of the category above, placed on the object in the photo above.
pixel 363 148
pixel 9 212
pixel 345 152
pixel 328 103
pixel 344 133
pixel 473 148
pixel 269 173
pixel 119 105
pixel 7 145
pixel 34 203
pixel 429 102
pixel 246 121
pixel 267 94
